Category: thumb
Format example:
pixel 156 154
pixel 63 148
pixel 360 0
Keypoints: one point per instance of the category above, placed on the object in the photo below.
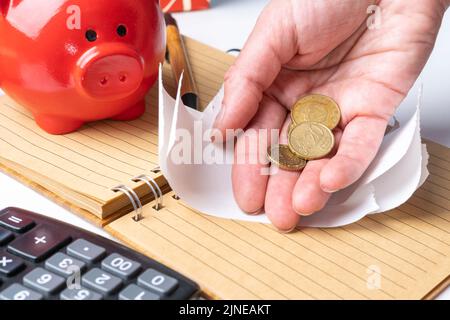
pixel 271 44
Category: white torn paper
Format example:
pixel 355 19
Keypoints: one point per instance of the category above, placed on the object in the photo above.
pixel 397 171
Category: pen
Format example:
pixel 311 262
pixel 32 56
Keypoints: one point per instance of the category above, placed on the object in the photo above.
pixel 179 60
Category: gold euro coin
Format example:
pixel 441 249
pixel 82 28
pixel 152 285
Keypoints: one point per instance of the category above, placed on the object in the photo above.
pixel 311 140
pixel 291 126
pixel 281 156
pixel 316 108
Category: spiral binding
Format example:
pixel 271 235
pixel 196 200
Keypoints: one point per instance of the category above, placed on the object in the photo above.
pixel 134 199
pixel 156 190
pixel 156 170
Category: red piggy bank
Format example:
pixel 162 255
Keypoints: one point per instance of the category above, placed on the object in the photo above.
pixel 75 61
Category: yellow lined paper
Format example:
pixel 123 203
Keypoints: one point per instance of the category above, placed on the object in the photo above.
pixel 88 163
pixel 410 246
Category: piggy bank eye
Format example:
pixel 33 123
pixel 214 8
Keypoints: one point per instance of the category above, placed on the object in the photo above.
pixel 122 30
pixel 91 35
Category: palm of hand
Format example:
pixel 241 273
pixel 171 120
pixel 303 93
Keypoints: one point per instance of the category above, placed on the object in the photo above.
pixel 368 72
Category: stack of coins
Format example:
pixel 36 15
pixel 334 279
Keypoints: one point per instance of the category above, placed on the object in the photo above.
pixel 310 134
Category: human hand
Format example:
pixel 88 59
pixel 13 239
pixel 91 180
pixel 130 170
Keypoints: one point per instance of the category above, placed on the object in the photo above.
pixel 322 46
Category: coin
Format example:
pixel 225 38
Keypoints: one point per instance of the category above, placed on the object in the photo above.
pixel 291 126
pixel 316 108
pixel 281 156
pixel 311 140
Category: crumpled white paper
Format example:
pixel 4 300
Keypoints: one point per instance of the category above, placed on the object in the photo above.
pixel 399 168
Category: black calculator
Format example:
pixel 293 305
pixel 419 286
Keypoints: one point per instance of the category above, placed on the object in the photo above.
pixel 45 259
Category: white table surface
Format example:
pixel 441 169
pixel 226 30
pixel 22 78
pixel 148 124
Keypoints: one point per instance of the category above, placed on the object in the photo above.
pixel 227 26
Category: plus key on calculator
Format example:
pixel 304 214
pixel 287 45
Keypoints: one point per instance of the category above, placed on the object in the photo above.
pixel 42 258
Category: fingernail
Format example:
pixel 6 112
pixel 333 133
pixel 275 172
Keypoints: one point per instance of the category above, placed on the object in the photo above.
pixel 303 214
pixel 287 231
pixel 255 212
pixel 300 213
pixel 219 117
pixel 329 190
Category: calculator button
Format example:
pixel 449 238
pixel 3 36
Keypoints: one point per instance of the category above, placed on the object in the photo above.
pixel 133 292
pixel 19 292
pixel 79 294
pixel 64 265
pixel 156 281
pixel 39 243
pixel 86 251
pixel 102 281
pixel 121 266
pixel 5 237
pixel 15 220
pixel 43 281
pixel 10 265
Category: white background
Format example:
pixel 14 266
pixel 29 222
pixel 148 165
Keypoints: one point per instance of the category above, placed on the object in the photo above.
pixel 227 26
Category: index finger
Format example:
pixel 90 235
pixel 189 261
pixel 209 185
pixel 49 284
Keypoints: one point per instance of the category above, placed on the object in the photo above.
pixel 270 45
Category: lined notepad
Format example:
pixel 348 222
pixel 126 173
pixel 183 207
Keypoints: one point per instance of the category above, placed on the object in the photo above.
pixel 82 167
pixel 409 247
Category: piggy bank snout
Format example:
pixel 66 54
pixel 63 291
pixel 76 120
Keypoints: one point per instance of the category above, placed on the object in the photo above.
pixel 110 75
